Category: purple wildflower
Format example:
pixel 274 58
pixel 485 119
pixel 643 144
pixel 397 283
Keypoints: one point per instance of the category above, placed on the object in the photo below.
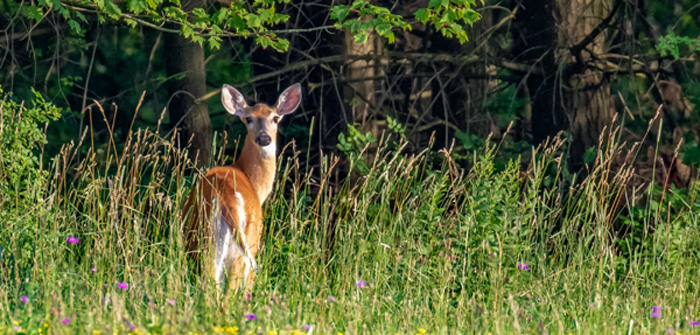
pixel 24 299
pixel 670 331
pixel 307 327
pixel 694 323
pixel 656 315
pixel 523 266
pixel 171 302
pixel 72 240
pixel 17 328
pixel 132 327
pixel 656 309
pixel 93 270
pixel 123 286
pixel 248 295
pixel 65 321
pixel 250 316
pixel 361 284
pixel 331 298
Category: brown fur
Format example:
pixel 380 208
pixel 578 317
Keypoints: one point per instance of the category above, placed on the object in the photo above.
pixel 223 183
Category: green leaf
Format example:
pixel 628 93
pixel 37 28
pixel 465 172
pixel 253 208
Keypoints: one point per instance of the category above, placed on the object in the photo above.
pixel 360 37
pixel 589 155
pixel 237 23
pixel 221 16
pixel 131 23
pixel 282 44
pixel 136 6
pixel 253 21
pixel 434 4
pixel 472 16
pixel 277 18
pixel 32 12
pixel 152 4
pixel 339 12
pixel 74 26
pixel 198 39
pixel 216 30
pixel 214 42
pixel 112 10
pixel 80 16
pixel 200 16
pixel 421 15
pixel 353 25
pixel 383 29
pixel 186 31
pixel 263 41
pixel 264 14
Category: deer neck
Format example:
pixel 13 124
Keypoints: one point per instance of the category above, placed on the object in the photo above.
pixel 259 165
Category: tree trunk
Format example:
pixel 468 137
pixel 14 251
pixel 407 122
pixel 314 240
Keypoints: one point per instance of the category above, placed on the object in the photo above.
pixel 586 91
pixel 185 62
pixel 567 91
pixel 360 93
pixel 361 90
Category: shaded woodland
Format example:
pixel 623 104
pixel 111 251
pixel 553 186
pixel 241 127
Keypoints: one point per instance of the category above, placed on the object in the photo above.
pixel 530 70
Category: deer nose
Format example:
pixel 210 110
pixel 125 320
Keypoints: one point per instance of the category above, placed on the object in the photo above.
pixel 263 139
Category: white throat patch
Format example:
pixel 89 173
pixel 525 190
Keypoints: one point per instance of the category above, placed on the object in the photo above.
pixel 268 151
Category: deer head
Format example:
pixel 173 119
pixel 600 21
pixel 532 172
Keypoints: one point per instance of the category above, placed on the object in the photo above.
pixel 262 120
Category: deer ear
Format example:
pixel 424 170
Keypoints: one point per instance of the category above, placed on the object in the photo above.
pixel 289 100
pixel 233 101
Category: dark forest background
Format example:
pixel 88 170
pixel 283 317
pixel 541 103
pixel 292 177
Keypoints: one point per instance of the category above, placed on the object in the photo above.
pixel 529 70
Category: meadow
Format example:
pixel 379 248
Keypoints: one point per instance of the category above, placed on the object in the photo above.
pixel 410 243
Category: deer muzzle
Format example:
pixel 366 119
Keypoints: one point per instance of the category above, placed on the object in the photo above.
pixel 263 139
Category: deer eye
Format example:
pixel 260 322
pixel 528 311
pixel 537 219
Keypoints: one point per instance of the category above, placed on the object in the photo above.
pixel 276 119
pixel 248 120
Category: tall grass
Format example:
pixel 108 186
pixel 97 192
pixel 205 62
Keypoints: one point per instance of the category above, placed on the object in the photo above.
pixel 414 244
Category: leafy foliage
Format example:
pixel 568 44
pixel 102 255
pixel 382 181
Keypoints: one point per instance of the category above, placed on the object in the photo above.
pixel 449 16
pixel 671 44
pixel 354 145
pixel 357 146
pixel 23 179
pixel 361 17
pixel 258 19
pixel 235 20
pixel 21 135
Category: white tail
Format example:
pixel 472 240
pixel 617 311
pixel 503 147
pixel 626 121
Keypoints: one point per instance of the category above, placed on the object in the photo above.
pixel 226 208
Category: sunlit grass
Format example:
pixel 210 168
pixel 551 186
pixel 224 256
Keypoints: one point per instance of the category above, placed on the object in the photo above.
pixel 417 245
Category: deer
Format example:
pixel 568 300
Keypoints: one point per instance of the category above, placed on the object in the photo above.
pixel 223 214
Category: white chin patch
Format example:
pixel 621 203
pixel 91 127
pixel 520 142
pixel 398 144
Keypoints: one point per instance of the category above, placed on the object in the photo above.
pixel 268 151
